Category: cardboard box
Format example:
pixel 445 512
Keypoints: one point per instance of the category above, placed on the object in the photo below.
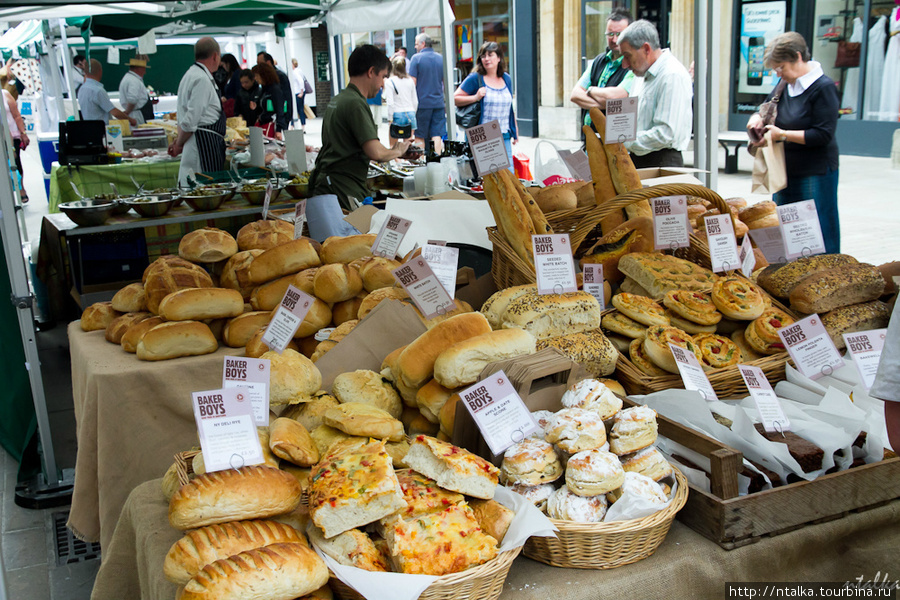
pixel 659 175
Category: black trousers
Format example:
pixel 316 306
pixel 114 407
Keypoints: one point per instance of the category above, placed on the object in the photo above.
pixel 666 157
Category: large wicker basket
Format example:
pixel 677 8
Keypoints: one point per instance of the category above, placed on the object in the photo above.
pixel 184 466
pixel 607 545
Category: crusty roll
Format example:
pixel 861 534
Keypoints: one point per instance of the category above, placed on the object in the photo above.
pixel 303 280
pixel 348 310
pixel 136 331
pixel 118 326
pixel 375 298
pixel 252 492
pixel 282 260
pixel 322 348
pixel 98 316
pixel 318 317
pixel 377 272
pixel 176 339
pixel 170 277
pixel 364 420
pixel 168 261
pixel 131 298
pixel 431 398
pixel 208 544
pixel 447 415
pixel 240 329
pixel 556 197
pixel 293 378
pixel 367 387
pixel 240 262
pixel 346 249
pixel 495 307
pixel 256 347
pixel 336 283
pixel 196 304
pixel 264 234
pixel 462 363
pixel 277 572
pixel 290 440
pixel 207 245
pixel 591 349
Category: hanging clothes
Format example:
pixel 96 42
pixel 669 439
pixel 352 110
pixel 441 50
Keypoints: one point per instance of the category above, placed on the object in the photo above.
pixel 874 67
pixel 889 107
pixel 850 96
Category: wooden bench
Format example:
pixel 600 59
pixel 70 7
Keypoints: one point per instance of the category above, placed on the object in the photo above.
pixel 732 139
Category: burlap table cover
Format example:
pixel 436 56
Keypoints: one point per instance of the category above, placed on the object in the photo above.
pixel 686 565
pixel 131 417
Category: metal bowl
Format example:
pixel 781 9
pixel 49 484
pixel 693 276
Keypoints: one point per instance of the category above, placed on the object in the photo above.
pixel 88 213
pixel 174 192
pixel 206 202
pixel 119 202
pixel 258 197
pixel 153 205
pixel 298 190
pixel 231 187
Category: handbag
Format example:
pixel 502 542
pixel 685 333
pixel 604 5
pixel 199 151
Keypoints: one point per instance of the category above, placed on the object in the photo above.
pixel 847 54
pixel 401 132
pixel 469 115
pixel 307 88
pixel 769 169
pixel 768 111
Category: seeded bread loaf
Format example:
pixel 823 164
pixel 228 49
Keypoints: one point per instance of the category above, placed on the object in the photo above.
pixel 857 317
pixel 495 306
pixel 591 349
pixel 779 279
pixel 551 315
pixel 841 286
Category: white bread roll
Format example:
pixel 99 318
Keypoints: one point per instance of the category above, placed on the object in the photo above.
pixel 431 398
pixel 416 362
pixel 240 329
pixel 240 262
pixel 556 197
pixel 283 260
pixel 367 387
pixel 98 316
pixel 553 315
pixel 207 245
pixel 378 296
pixel 336 283
pixel 377 272
pixel 347 249
pixel 264 234
pixel 131 298
pixel 177 339
pixel 136 331
pixel 118 326
pixel 196 304
pixel 462 363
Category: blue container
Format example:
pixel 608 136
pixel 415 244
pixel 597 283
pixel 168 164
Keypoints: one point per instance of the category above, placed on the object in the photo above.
pixel 48 144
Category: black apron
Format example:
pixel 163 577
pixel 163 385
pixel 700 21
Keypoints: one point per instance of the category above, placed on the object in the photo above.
pixel 211 140
pixel 147 110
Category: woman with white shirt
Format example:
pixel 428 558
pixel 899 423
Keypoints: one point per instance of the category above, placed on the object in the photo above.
pixel 806 122
pixel 402 100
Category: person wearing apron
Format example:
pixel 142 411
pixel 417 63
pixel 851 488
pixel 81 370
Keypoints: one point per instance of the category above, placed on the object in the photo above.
pixel 201 120
pixel 133 93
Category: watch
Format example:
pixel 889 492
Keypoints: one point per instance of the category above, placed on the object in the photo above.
pixel 784 136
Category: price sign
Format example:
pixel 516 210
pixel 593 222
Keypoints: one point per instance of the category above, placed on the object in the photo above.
pixel 424 288
pixel 748 259
pixel 770 411
pixel 577 161
pixel 593 283
pixel 671 228
pixel 553 263
pixel 488 149
pixel 299 218
pixel 801 230
pixel 252 376
pixel 865 348
pixel 811 347
pixel 226 429
pixel 444 261
pixel 770 242
pixel 722 245
pixel 288 316
pixel 393 230
pixel 270 193
pixel 621 120
pixel 692 373
pixel 499 412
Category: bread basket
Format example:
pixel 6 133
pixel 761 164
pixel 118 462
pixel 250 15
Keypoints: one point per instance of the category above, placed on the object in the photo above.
pixel 607 545
pixel 184 466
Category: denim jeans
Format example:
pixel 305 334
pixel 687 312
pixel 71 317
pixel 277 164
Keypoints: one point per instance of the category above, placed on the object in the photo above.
pixel 822 189
pixel 506 142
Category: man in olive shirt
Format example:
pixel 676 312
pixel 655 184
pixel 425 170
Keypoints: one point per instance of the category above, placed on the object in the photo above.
pixel 349 135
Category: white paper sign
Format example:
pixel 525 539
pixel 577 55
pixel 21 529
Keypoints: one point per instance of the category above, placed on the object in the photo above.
pixel 593 283
pixel 811 347
pixel 770 411
pixel 671 228
pixel 112 55
pixel 299 218
pixel 865 348
pixel 391 235
pixel 692 373
pixel 748 259
pixel 577 161
pixel 251 375
pixel 270 192
pixel 227 432
pixel 499 412
pixel 444 262
pixel 423 286
pixel 553 263
pixel 488 149
pixel 288 316
pixel 770 242
pixel 621 120
pixel 801 229
pixel 147 43
pixel 722 245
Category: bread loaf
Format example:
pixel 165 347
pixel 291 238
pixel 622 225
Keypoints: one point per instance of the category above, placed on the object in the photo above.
pixel 264 234
pixel 176 339
pixel 364 420
pixel 293 377
pixel 290 440
pixel 352 548
pixel 318 317
pixel 462 363
pixel 277 572
pixel 256 347
pixel 447 415
pixel 345 250
pixel 556 197
pixel 322 348
pixel 282 260
pixel 431 398
pixel 336 283
pixel 541 225
pixel 375 298
pixel 348 310
pixel 378 273
pixel 453 468
pixel 196 304
pixel 98 316
pixel 591 349
pixel 168 261
pixel 837 287
pixel 207 245
pixel 367 387
pixel 779 279
pixel 552 315
pixel 240 262
pixel 136 331
pixel 170 277
pixel 512 218
pixel 635 235
pixel 240 329
pixel 604 190
pixel 131 298
pixel 118 326
pixel 495 307
pixel 857 317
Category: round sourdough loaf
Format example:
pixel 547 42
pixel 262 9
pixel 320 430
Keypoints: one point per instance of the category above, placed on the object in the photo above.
pixel 131 298
pixel 207 245
pixel 98 316
pixel 264 234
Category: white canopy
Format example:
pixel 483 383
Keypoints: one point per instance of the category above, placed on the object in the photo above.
pixel 355 16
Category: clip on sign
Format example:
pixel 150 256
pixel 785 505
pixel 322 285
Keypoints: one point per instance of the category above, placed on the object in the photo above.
pixel 423 286
pixel 226 429
pixel 499 412
pixel 290 313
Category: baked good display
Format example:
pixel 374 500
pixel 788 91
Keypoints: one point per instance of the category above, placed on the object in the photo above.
pixel 761 334
pixel 642 361
pixel 619 323
pixel 131 298
pixel 207 245
pixel 591 349
pixel 337 249
pixel 198 304
pixel 634 429
pixel 717 351
pixel 649 462
pixel 336 283
pixel 738 298
pixel 495 307
pixel 640 309
pixel 453 468
pixel 856 317
pixel 176 339
pixel 692 306
pixel 659 273
pixel 552 315
pixel 836 287
pixel 641 486
pixel 567 506
pixel 656 346
pixel 367 387
pixel 289 440
pixel 462 363
pixel 779 279
pixel 593 395
pixel 292 257
pixel 293 378
pixel 364 420
pixel 593 472
pixel 808 455
pixel 530 462
pixel 118 326
pixel 352 548
pixel 264 234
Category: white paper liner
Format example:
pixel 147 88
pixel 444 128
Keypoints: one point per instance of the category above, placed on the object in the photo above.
pixel 632 506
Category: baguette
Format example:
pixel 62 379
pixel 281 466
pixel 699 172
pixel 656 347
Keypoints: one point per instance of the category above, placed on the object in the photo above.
pixel 176 339
pixel 511 216
pixel 624 176
pixel 462 363
pixel 837 287
pixel 604 190
pixel 196 304
pixel 282 260
pixel 541 225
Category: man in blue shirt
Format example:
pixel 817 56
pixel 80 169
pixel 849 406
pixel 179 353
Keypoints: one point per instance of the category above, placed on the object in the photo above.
pixel 427 71
pixel 93 99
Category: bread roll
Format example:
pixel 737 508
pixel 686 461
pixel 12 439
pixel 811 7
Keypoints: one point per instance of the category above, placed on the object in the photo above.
pixel 170 277
pixel 166 262
pixel 447 415
pixel 837 287
pixel 462 363
pixel 556 197
pixel 269 295
pixel 552 315
pixel 367 387
pixel 293 378
pixel 207 245
pixel 591 349
pixel 318 317
pixel 345 250
pixel 98 316
pixel 256 347
pixel 196 304
pixel 290 440
pixel 136 331
pixel 322 348
pixel 131 298
pixel 348 310
pixel 264 234
pixel 495 307
pixel 342 330
pixel 377 273
pixel 311 414
pixel 431 398
pixel 118 326
pixel 336 283
pixel 365 420
pixel 238 262
pixel 240 329
pixel 375 298
pixel 176 339
pixel 282 260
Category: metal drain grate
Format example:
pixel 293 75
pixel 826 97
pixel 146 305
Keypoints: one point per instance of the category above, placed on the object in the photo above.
pixel 69 549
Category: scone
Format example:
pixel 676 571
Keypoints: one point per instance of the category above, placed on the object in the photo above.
pixel 641 309
pixel 656 346
pixel 738 299
pixel 675 320
pixel 593 395
pixel 542 418
pixel 594 472
pixel 635 429
pixel 566 506
pixel 576 429
pixel 762 334
pixel 641 361
pixel 717 351
pixel 619 323
pixel 693 306
pixel 640 486
pixel 650 462
pixel 530 462
pixel 536 494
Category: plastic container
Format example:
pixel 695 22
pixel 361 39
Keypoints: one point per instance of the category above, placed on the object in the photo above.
pixel 48 145
pixel 549 168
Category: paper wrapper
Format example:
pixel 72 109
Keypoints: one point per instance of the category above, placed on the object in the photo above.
pixel 528 522
pixel 631 506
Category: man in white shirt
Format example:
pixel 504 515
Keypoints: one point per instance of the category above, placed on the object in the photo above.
pixel 201 120
pixel 133 93
pixel 93 100
pixel 664 112
pixel 298 84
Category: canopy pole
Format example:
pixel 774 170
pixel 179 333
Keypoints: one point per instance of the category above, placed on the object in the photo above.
pixel 67 67
pixel 57 82
pixel 449 54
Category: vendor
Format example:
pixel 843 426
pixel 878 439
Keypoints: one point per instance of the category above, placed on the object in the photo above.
pixel 94 101
pixel 349 135
pixel 133 93
pixel 201 120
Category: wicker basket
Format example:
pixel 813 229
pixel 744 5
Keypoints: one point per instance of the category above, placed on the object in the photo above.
pixel 607 545
pixel 184 466
pixel 484 582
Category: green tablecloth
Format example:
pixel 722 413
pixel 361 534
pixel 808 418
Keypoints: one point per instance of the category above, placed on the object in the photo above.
pixel 95 179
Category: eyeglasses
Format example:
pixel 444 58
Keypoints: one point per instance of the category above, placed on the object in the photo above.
pixel 612 34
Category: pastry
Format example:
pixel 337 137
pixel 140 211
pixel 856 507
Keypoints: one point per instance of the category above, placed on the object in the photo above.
pixel 641 309
pixel 762 334
pixel 693 306
pixel 738 298
pixel 649 462
pixel 619 323
pixel 576 429
pixel 593 395
pixel 641 361
pixel 452 467
pixel 675 320
pixel 536 494
pixel 640 486
pixel 747 353
pixel 530 462
pixel 566 506
pixel 718 352
pixel 593 472
pixel 857 317
pixel 659 273
pixel 590 349
pixel 656 346
pixel 634 429
pixel 837 287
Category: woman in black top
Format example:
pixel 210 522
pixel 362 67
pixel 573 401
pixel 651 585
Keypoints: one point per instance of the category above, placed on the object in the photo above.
pixel 272 117
pixel 246 103
pixel 233 69
pixel 806 122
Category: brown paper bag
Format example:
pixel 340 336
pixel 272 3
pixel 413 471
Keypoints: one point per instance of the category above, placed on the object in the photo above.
pixel 769 172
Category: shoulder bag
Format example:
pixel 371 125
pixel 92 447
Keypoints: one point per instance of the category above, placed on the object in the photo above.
pixel 470 115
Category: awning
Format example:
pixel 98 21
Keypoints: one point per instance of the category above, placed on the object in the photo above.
pixel 24 40
pixel 356 16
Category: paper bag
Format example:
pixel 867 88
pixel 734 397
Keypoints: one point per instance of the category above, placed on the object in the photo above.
pixel 769 172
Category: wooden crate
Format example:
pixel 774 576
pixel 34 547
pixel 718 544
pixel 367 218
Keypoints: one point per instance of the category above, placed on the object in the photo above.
pixel 733 521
